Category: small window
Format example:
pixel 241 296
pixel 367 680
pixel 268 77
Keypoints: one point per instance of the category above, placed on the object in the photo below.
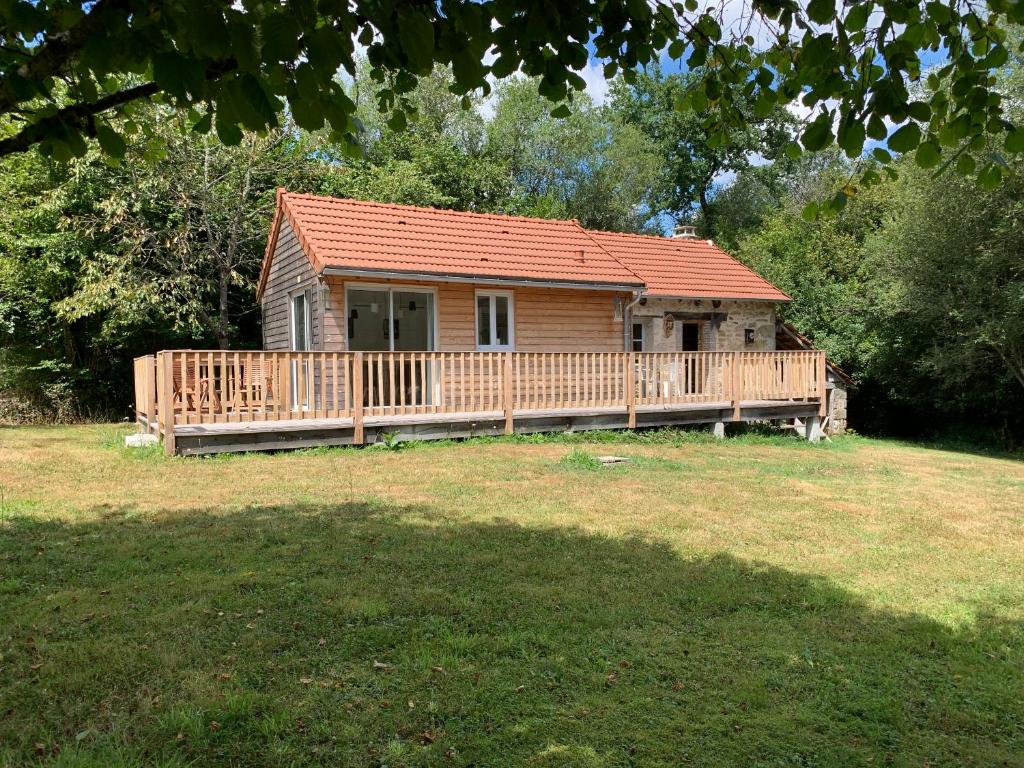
pixel 494 321
pixel 638 337
pixel 301 322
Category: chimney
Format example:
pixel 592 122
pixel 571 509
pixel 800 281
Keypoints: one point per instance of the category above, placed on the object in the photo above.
pixel 685 231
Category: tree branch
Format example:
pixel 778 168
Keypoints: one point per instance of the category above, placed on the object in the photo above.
pixel 76 115
pixel 48 59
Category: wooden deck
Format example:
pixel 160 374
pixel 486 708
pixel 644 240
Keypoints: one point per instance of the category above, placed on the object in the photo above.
pixel 215 401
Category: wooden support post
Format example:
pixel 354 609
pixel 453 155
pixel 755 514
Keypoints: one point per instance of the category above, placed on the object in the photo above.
pixel 506 397
pixel 165 406
pixel 737 386
pixel 821 385
pixel 631 389
pixel 151 394
pixel 357 398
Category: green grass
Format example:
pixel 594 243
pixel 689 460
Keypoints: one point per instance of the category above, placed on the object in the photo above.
pixel 755 602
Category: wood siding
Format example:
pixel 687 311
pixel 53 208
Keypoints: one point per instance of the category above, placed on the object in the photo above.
pixel 546 319
pixel 290 271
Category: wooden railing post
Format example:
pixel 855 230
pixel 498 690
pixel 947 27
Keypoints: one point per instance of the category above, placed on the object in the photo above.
pixel 631 389
pixel 165 406
pixel 357 398
pixel 737 385
pixel 821 385
pixel 506 395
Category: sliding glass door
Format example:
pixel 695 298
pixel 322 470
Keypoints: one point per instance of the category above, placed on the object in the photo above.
pixel 400 319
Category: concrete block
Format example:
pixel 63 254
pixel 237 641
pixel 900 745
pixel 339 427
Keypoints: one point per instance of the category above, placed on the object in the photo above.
pixel 140 440
pixel 812 429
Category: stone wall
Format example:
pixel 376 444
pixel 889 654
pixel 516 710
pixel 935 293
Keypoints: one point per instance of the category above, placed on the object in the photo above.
pixel 837 398
pixel 722 327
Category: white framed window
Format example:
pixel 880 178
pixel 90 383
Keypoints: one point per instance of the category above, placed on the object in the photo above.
pixel 495 321
pixel 637 337
pixel 301 331
pixel 301 322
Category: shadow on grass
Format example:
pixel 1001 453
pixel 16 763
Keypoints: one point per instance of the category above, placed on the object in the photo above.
pixel 357 635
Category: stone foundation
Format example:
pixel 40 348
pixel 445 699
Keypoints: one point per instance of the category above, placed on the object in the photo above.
pixel 837 398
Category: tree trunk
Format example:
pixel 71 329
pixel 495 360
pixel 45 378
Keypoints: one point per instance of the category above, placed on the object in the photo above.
pixel 705 211
pixel 223 318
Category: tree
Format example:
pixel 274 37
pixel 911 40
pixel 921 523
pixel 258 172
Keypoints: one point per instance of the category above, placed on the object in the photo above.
pixel 916 287
pixel 587 165
pixel 951 259
pixel 67 68
pixel 695 159
pixel 99 262
pixel 437 158
pixel 185 229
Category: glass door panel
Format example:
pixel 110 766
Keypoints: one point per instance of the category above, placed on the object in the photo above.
pixel 368 315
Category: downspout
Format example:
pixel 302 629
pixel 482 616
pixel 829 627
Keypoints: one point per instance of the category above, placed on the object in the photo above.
pixel 627 322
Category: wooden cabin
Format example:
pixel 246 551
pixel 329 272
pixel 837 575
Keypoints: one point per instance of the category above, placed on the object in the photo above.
pixel 382 318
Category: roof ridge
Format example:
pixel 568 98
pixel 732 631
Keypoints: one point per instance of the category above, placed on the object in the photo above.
pixel 432 209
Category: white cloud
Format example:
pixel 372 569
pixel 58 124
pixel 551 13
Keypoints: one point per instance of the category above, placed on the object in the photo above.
pixel 597 85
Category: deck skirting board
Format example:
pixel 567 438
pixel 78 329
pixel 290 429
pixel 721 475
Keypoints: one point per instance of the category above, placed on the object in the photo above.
pixel 200 439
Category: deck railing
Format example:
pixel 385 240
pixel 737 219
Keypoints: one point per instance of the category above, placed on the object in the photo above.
pixel 209 387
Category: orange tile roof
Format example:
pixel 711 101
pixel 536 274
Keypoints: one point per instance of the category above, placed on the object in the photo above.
pixel 358 236
pixel 361 236
pixel 687 267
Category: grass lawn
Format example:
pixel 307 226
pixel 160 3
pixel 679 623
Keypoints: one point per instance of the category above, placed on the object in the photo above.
pixel 755 602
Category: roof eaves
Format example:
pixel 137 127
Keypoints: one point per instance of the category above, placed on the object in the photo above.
pixel 467 277
pixel 687 296
pixel 268 253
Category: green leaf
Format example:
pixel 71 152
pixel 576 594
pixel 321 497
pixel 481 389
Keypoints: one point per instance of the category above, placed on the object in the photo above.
pixel 857 18
pixel 966 164
pixel 940 13
pixel 561 111
pixel 111 141
pixel 876 128
pixel 881 155
pixel 228 132
pixel 204 123
pixel 258 101
pixel 279 37
pixel 818 134
pixel 416 35
pixel 927 155
pixel 905 139
pixel 990 176
pixel 1014 141
pixel 821 11
pixel 919 110
pixel 306 114
pixel 852 138
pixel 810 212
pixel 397 122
